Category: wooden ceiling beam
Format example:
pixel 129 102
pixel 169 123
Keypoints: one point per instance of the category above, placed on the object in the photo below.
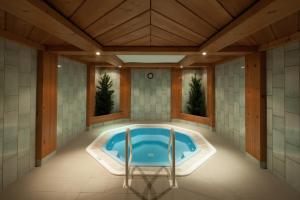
pixel 84 56
pixel 39 14
pixel 260 15
pixel 103 65
pixel 151 65
pixel 133 50
pixel 108 59
pixel 68 50
pixel 62 48
pixel 190 60
pixel 113 60
pixel 20 39
pixel 178 50
pixel 280 41
pixel 239 49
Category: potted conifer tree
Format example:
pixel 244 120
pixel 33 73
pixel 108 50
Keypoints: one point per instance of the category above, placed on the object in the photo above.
pixel 196 103
pixel 104 102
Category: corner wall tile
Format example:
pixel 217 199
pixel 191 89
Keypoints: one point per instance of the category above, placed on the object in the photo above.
pixel 1 55
pixel 278 123
pixel 292 81
pixel 278 81
pixel 292 58
pixel 278 102
pixel 278 60
pixel 292 105
pixel 293 173
pixel 292 128
pixel 10 170
pixel 293 152
pixel 278 167
pixel 278 144
pixel 11 80
pixel 10 126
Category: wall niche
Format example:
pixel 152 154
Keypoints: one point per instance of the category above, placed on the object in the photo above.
pixel 194 92
pixel 114 79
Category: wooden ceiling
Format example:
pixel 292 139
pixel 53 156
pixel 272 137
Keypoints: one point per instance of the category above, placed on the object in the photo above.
pixel 78 28
pixel 150 23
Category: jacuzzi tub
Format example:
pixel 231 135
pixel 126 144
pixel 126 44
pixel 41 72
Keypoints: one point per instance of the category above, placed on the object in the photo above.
pixel 150 147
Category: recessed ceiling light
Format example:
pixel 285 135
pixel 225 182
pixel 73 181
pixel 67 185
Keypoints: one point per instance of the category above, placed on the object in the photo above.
pixel 181 66
pixel 204 53
pixel 98 53
pixel 120 66
pixel 58 66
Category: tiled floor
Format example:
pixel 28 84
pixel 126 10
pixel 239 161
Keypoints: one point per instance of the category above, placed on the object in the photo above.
pixel 73 174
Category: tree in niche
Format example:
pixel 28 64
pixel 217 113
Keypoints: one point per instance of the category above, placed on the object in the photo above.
pixel 104 103
pixel 196 102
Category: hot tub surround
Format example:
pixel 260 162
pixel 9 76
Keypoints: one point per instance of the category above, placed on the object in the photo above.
pixel 95 149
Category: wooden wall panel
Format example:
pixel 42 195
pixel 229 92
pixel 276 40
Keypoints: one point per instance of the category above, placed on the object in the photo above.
pixel 125 92
pixel 256 144
pixel 46 105
pixel 211 95
pixel 176 89
pixel 90 94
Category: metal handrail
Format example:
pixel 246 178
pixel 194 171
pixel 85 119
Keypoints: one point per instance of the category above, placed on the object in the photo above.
pixel 171 145
pixel 130 146
pixel 171 155
pixel 127 161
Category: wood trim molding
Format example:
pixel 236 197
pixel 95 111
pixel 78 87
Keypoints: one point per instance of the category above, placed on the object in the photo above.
pixel 195 118
pixel 105 118
pixel 151 65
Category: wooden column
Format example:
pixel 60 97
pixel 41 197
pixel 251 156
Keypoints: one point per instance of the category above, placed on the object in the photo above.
pixel 176 92
pixel 90 94
pixel 125 92
pixel 256 141
pixel 46 118
pixel 211 95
